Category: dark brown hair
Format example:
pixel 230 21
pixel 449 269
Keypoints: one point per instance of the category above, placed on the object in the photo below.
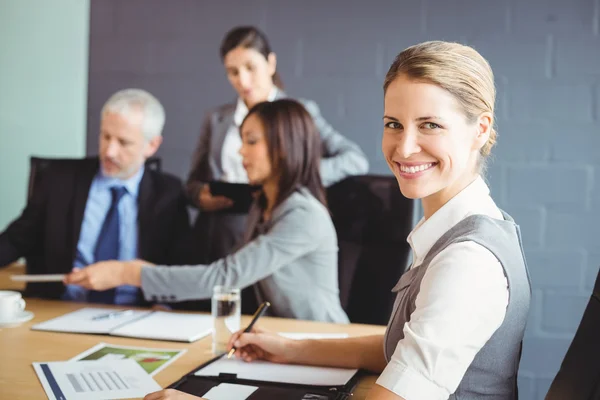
pixel 294 146
pixel 248 37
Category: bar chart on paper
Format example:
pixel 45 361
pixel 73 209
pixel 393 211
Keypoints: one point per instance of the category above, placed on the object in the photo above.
pixel 101 380
pixel 110 379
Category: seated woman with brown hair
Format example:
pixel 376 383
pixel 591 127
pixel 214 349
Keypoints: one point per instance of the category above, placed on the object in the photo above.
pixel 290 250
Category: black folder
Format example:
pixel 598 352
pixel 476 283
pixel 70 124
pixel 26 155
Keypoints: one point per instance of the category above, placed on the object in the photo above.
pixel 199 385
pixel 242 195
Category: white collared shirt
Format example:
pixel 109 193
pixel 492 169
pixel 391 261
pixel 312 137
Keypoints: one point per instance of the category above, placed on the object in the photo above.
pixel 461 303
pixel 233 169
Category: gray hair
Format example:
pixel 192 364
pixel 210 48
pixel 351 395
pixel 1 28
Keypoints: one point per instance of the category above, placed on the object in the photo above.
pixel 124 101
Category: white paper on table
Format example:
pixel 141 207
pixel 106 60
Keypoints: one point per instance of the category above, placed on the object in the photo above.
pixel 82 321
pixel 94 380
pixel 229 391
pixel 38 278
pixel 271 372
pixel 307 335
pixel 168 326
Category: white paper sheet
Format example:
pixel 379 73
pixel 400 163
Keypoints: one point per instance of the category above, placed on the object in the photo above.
pixel 306 335
pixel 94 380
pixel 229 391
pixel 38 278
pixel 82 321
pixel 168 326
pixel 271 372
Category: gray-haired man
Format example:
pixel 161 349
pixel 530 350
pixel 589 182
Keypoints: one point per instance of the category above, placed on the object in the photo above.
pixel 110 207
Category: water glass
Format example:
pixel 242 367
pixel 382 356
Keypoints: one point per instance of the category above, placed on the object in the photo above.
pixel 226 312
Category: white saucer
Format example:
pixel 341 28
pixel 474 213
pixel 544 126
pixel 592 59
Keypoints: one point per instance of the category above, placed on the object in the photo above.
pixel 23 316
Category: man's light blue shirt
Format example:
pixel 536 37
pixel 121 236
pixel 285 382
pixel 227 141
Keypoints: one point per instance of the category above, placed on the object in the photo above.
pixel 97 206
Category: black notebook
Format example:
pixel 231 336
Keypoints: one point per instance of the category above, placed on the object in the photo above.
pixel 267 381
pixel 242 194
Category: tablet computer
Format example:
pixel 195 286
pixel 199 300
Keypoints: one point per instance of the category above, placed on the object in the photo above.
pixel 242 194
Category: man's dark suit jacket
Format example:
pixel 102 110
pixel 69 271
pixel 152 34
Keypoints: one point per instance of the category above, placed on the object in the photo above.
pixel 47 232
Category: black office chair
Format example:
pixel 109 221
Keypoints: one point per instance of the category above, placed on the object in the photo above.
pixel 372 219
pixel 37 165
pixel 579 374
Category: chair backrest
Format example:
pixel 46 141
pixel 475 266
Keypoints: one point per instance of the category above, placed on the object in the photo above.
pixel 579 374
pixel 37 165
pixel 372 220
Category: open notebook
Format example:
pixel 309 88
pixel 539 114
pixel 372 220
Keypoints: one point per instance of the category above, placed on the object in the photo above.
pixel 156 325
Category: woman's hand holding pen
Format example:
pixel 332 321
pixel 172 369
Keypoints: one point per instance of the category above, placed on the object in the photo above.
pixel 262 345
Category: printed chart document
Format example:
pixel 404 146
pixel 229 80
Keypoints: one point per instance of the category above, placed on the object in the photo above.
pixel 94 380
pixel 271 372
pixel 151 359
pixel 229 391
pixel 158 325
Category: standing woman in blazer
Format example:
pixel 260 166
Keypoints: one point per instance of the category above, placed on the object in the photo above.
pixel 250 65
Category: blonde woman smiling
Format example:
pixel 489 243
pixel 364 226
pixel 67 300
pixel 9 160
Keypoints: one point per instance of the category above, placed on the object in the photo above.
pixel 460 313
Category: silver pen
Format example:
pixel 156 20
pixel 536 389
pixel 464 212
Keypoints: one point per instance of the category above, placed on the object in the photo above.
pixel 115 314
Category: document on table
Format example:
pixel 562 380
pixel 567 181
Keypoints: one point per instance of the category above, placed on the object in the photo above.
pixel 94 380
pixel 153 360
pixel 161 325
pixel 83 321
pixel 229 391
pixel 158 325
pixel 271 372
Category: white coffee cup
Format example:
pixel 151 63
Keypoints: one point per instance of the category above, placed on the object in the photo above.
pixel 11 305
